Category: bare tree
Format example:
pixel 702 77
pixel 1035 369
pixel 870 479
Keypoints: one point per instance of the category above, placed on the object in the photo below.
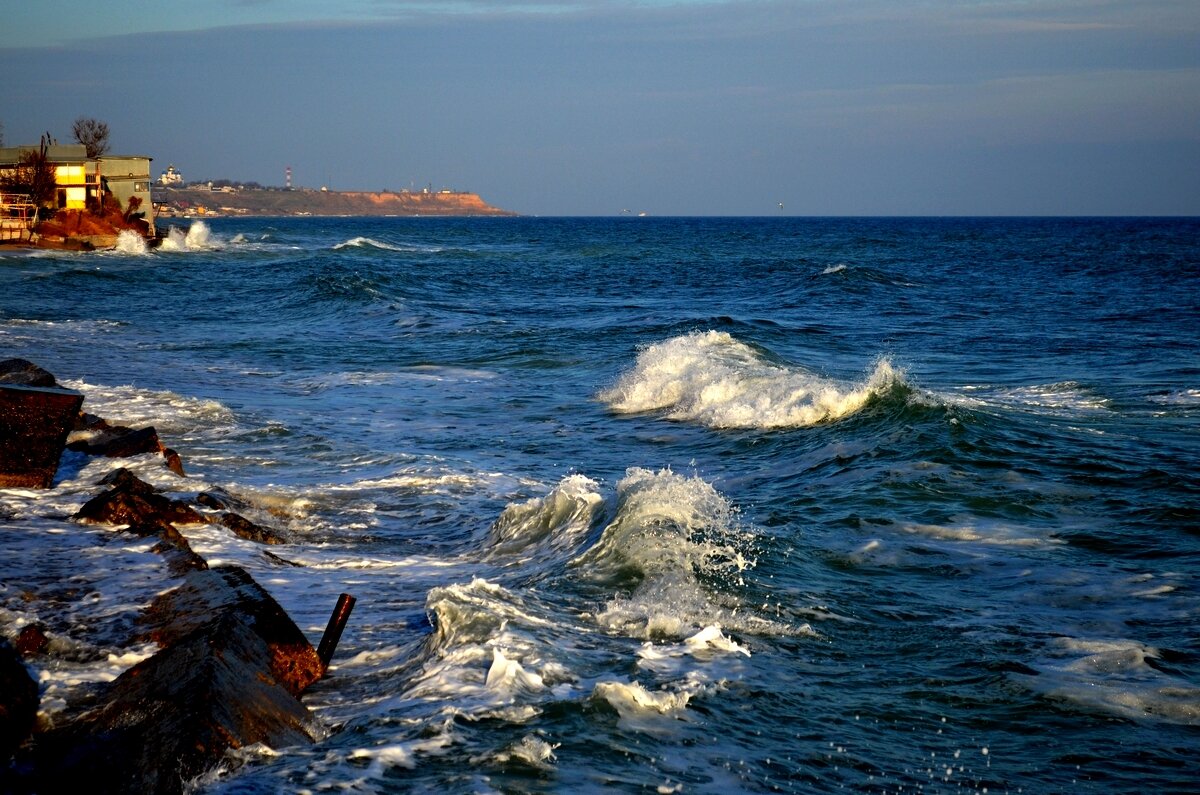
pixel 92 133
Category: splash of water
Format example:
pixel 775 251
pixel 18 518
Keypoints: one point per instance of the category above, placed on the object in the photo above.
pixel 130 242
pixel 715 380
pixel 197 238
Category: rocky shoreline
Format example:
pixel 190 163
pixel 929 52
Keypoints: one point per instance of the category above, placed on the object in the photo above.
pixel 230 664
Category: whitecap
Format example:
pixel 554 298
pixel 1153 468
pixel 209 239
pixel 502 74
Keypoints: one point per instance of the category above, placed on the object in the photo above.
pixel 715 380
pixel 366 242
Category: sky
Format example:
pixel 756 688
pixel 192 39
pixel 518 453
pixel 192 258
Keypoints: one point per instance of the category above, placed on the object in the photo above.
pixel 683 107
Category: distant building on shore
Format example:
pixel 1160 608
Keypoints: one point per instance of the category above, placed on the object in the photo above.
pixel 171 177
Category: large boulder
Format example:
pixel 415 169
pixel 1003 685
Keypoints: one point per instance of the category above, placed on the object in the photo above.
pixel 134 502
pixel 116 441
pixel 244 528
pixel 34 423
pixel 25 373
pixel 227 678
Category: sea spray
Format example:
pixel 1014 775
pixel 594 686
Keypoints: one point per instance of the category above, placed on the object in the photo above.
pixel 673 541
pixel 197 237
pixel 715 380
pixel 130 242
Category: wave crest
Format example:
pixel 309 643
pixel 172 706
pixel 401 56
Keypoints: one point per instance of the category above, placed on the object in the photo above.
pixel 671 539
pixel 557 521
pixel 713 379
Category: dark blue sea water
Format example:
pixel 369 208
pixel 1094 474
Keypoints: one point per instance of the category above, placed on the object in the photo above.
pixel 669 505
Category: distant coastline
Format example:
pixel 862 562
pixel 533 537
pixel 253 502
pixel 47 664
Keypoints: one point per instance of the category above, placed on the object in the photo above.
pixel 172 202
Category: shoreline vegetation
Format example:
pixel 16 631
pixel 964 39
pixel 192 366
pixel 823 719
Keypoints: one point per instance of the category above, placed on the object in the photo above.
pixel 230 664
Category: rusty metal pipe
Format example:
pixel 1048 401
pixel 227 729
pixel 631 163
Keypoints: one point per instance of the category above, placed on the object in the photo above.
pixel 333 630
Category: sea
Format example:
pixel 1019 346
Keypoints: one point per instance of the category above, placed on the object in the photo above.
pixel 636 504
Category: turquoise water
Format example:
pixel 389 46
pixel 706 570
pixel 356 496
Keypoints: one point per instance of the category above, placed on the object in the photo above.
pixel 689 505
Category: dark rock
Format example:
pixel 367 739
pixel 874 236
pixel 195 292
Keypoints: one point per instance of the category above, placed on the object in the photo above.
pixel 244 528
pixel 32 641
pixel 34 423
pixel 18 702
pixel 117 441
pixel 122 478
pixel 227 679
pixel 226 589
pixel 278 561
pixel 90 422
pixel 179 554
pixel 134 502
pixel 25 373
pixel 214 501
pixel 174 462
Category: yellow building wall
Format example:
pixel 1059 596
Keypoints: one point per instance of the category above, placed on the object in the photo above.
pixel 73 180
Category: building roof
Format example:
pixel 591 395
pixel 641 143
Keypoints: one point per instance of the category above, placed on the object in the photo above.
pixel 61 153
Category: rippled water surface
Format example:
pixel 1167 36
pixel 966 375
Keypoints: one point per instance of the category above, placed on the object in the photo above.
pixel 695 505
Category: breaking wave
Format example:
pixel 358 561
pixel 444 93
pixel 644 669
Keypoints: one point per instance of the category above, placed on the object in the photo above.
pixel 558 521
pixel 130 242
pixel 713 379
pixel 197 238
pixel 367 242
pixel 673 544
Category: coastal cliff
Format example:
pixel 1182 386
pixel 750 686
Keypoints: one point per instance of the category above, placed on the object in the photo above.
pixel 178 201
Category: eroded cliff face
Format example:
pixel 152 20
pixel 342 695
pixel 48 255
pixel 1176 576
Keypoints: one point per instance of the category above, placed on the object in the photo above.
pixel 311 202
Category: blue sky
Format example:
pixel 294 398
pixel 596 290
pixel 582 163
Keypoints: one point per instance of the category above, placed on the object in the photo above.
pixel 582 107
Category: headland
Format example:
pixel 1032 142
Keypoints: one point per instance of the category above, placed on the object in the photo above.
pixel 230 201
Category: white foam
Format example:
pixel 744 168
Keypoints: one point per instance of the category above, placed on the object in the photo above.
pixel 671 540
pixel 532 751
pixel 713 379
pixel 367 242
pixel 833 269
pixel 1113 676
pixel 640 709
pixel 168 412
pixel 130 242
pixel 1066 398
pixel 197 238
pixel 509 676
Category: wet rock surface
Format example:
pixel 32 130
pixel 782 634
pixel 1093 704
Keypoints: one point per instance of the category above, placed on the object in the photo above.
pixel 227 677
pixel 34 424
pixel 231 664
